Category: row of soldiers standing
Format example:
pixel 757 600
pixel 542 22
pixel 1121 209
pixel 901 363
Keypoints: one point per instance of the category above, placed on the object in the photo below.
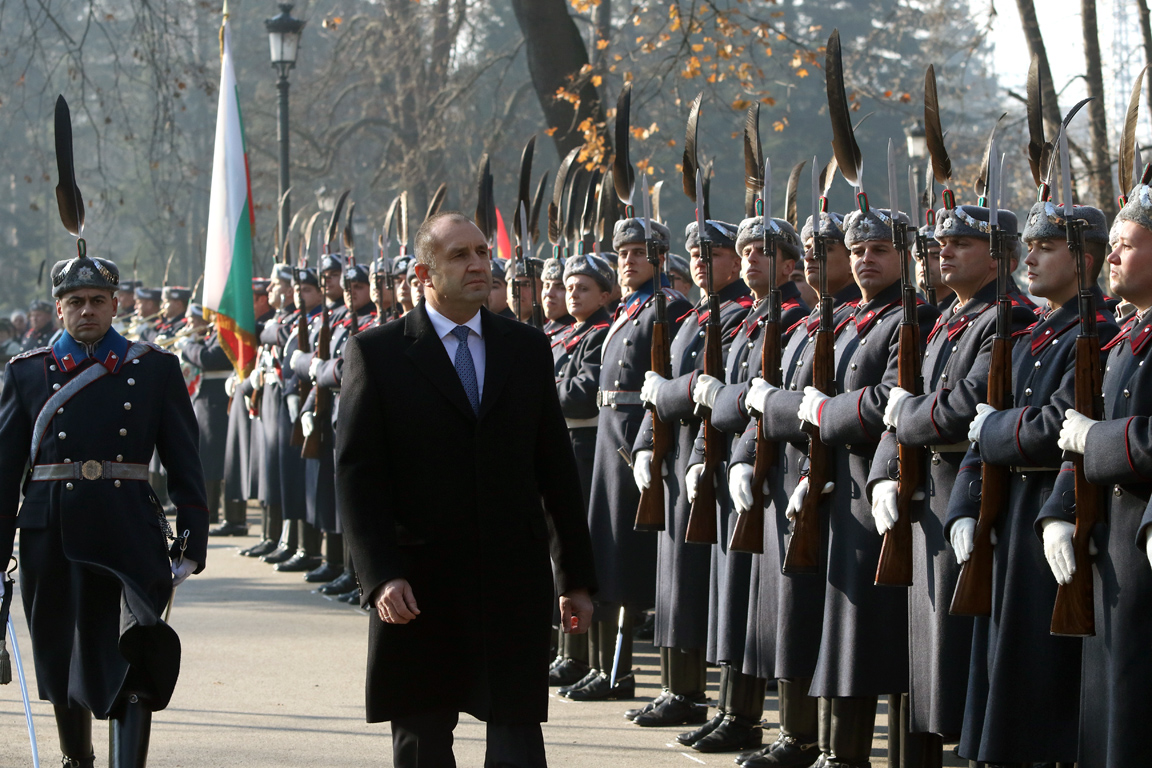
pixel 833 641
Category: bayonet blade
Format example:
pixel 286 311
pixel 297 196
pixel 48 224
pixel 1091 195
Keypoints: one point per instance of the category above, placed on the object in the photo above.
pixel 893 200
pixel 993 186
pixel 815 195
pixel 646 200
pixel 525 240
pixel 1065 175
pixel 700 205
pixel 656 189
pixel 766 193
pixel 913 199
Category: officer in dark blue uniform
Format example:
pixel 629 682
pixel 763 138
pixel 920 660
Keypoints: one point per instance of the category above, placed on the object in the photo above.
pixel 97 567
pixel 40 325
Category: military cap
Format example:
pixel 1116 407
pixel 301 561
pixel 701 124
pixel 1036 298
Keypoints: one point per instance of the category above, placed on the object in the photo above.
pixel 787 241
pixel 195 311
pixel 1138 209
pixel 83 272
pixel 499 266
pixel 330 261
pixel 972 221
pixel 595 267
pixel 873 224
pixel 305 276
pixel 148 294
pixel 1046 221
pixel 831 227
pixel 129 286
pixel 356 273
pixel 678 265
pixel 177 293
pixel 721 233
pixel 400 265
pixel 260 285
pixel 410 272
pixel 282 271
pixel 628 231
pixel 553 269
pixel 42 305
pixel 379 265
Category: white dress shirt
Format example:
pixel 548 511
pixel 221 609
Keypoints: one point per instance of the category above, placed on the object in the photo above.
pixel 444 328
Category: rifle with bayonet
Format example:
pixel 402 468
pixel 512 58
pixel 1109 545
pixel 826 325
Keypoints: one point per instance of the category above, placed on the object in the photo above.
pixel 322 406
pixel 803 552
pixel 894 567
pixel 973 595
pixel 702 514
pixel 650 512
pixel 748 533
pixel 1074 612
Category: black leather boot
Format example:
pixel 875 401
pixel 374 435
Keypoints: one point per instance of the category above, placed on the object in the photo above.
pixel 677 709
pixel 567 672
pixel 632 714
pixel 796 747
pixel 74 726
pixel 600 688
pixel 742 701
pixel 128 735
pixel 693 736
pixel 588 678
pixel 850 738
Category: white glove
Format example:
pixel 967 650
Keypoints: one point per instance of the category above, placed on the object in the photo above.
pixel 182 570
pixel 757 399
pixel 897 397
pixel 254 378
pixel 796 500
pixel 296 355
pixel 692 479
pixel 293 404
pixel 962 534
pixel 1058 552
pixel 983 411
pixel 307 422
pixel 706 389
pixel 740 487
pixel 230 385
pixel 885 507
pixel 642 469
pixel 653 383
pixel 810 406
pixel 1074 432
pixel 313 367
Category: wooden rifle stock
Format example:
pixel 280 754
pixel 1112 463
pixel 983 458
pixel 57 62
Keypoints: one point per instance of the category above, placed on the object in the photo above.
pixel 973 595
pixel 323 403
pixel 650 514
pixel 702 527
pixel 1074 613
pixel 304 386
pixel 803 553
pixel 748 533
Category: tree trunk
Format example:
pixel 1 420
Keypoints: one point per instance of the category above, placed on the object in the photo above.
pixel 1100 171
pixel 556 54
pixel 1146 33
pixel 1031 25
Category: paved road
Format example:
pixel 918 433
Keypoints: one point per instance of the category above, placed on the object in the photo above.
pixel 273 674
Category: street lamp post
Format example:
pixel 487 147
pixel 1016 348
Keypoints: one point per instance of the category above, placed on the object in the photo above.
pixel 917 140
pixel 284 41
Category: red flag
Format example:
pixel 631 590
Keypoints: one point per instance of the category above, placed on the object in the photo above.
pixel 503 244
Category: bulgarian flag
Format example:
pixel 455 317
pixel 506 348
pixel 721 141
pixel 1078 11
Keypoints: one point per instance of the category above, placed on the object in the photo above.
pixel 228 256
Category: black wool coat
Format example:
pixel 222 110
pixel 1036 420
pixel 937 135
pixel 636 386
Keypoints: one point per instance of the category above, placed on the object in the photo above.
pixel 465 507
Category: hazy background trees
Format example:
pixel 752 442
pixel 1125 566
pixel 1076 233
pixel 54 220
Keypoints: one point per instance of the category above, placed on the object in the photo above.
pixel 406 94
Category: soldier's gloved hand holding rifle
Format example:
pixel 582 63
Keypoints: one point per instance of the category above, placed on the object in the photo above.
pixel 1074 432
pixel 810 406
pixel 740 486
pixel 642 469
pixel 884 506
pixel 897 399
pixel 796 501
pixel 692 477
pixel 650 391
pixel 705 392
pixel 758 392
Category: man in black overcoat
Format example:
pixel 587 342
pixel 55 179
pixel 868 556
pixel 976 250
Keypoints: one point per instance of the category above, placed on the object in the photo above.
pixel 451 534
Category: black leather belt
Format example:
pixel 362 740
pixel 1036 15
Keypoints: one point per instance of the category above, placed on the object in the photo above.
pixel 90 470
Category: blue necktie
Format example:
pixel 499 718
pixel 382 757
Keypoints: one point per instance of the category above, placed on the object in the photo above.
pixel 465 368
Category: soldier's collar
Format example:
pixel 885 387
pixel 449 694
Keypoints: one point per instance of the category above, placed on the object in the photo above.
pixel 109 352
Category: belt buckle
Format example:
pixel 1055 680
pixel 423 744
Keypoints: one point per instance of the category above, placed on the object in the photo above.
pixel 92 470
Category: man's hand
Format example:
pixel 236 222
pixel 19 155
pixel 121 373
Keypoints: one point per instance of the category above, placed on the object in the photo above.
pixel 254 378
pixel 1058 548
pixel 307 423
pixel 575 611
pixel 740 486
pixel 642 469
pixel 757 397
pixel 897 399
pixel 395 603
pixel 983 411
pixel 885 506
pixel 296 355
pixel 230 385
pixel 181 570
pixel 313 367
pixel 706 389
pixel 650 391
pixel 1074 432
pixel 810 406
pixel 796 500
